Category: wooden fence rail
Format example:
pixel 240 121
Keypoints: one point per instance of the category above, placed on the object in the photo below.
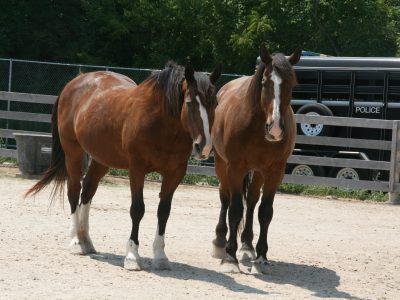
pixel 392 185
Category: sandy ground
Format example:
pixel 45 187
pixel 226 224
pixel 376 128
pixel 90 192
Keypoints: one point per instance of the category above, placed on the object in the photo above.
pixel 319 248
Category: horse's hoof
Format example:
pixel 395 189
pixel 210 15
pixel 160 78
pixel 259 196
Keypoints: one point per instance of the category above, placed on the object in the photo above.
pixel 247 254
pixel 161 264
pixel 87 247
pixel 218 252
pixel 83 247
pixel 75 247
pixel 132 264
pixel 229 265
pixel 260 266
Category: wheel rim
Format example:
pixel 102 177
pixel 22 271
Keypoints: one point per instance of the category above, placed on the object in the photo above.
pixel 311 129
pixel 348 173
pixel 302 170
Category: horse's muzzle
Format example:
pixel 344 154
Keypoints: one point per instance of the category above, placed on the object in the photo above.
pixel 201 152
pixel 273 131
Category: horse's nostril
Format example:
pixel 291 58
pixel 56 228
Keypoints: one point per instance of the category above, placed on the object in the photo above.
pixel 268 127
pixel 197 147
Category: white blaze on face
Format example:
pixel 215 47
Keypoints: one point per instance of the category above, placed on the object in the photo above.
pixel 204 117
pixel 277 80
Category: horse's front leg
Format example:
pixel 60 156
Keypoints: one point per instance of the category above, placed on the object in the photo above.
pixel 219 243
pixel 171 180
pixel 230 263
pixel 132 259
pixel 247 252
pixel 265 214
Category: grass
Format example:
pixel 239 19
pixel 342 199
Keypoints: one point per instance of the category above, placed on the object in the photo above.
pixel 188 179
pixel 309 190
pixel 8 160
pixel 289 188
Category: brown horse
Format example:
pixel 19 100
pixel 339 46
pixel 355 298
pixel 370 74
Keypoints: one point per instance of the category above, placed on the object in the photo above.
pixel 144 128
pixel 253 133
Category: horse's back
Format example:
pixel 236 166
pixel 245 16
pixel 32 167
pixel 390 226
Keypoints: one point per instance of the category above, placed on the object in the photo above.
pixel 87 86
pixel 232 88
pixel 89 111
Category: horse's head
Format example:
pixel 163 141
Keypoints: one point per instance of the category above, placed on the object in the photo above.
pixel 277 80
pixel 198 108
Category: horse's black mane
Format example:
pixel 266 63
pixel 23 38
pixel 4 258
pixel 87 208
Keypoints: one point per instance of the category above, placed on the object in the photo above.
pixel 168 82
pixel 255 87
pixel 204 86
pixel 281 65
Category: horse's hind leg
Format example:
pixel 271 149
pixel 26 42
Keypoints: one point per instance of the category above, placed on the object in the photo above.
pixel 247 252
pixel 73 163
pixel 95 172
pixel 219 243
pixel 171 180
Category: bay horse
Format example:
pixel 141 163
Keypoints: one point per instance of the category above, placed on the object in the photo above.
pixel 253 135
pixel 150 127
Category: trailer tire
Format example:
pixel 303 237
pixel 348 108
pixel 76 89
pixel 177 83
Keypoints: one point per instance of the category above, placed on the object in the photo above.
pixel 316 109
pixel 349 173
pixel 306 170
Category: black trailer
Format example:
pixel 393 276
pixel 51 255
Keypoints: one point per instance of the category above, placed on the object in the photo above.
pixel 356 87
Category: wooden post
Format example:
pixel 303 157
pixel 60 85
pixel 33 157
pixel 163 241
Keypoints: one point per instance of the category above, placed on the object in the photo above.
pixel 394 197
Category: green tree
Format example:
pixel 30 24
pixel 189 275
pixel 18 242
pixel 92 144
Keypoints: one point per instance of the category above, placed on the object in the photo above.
pixel 146 33
pixel 44 30
pixel 345 28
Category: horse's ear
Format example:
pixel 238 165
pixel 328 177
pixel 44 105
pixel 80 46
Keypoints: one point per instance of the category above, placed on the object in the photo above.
pixel 264 55
pixel 189 73
pixel 295 57
pixel 216 74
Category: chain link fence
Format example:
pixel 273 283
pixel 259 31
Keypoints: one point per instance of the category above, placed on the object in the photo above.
pixel 34 77
pixel 49 78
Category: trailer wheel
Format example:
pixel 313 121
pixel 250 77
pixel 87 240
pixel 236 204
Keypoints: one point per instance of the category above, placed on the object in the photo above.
pixel 314 109
pixel 349 173
pixel 306 170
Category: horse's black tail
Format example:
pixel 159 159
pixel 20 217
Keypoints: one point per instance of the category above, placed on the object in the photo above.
pixel 246 183
pixel 57 170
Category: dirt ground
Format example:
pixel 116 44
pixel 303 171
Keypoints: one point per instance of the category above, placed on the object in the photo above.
pixel 319 248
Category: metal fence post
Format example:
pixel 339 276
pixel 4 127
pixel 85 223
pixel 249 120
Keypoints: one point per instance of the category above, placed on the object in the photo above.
pixel 9 89
pixel 394 197
pixel 10 75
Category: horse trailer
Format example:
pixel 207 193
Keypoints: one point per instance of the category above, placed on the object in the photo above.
pixel 355 87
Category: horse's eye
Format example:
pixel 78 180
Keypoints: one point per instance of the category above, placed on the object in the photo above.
pixel 189 102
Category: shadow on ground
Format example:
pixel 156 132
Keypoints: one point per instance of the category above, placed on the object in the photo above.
pixel 184 272
pixel 322 282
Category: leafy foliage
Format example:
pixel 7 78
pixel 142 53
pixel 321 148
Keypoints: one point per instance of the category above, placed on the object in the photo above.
pixel 144 33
